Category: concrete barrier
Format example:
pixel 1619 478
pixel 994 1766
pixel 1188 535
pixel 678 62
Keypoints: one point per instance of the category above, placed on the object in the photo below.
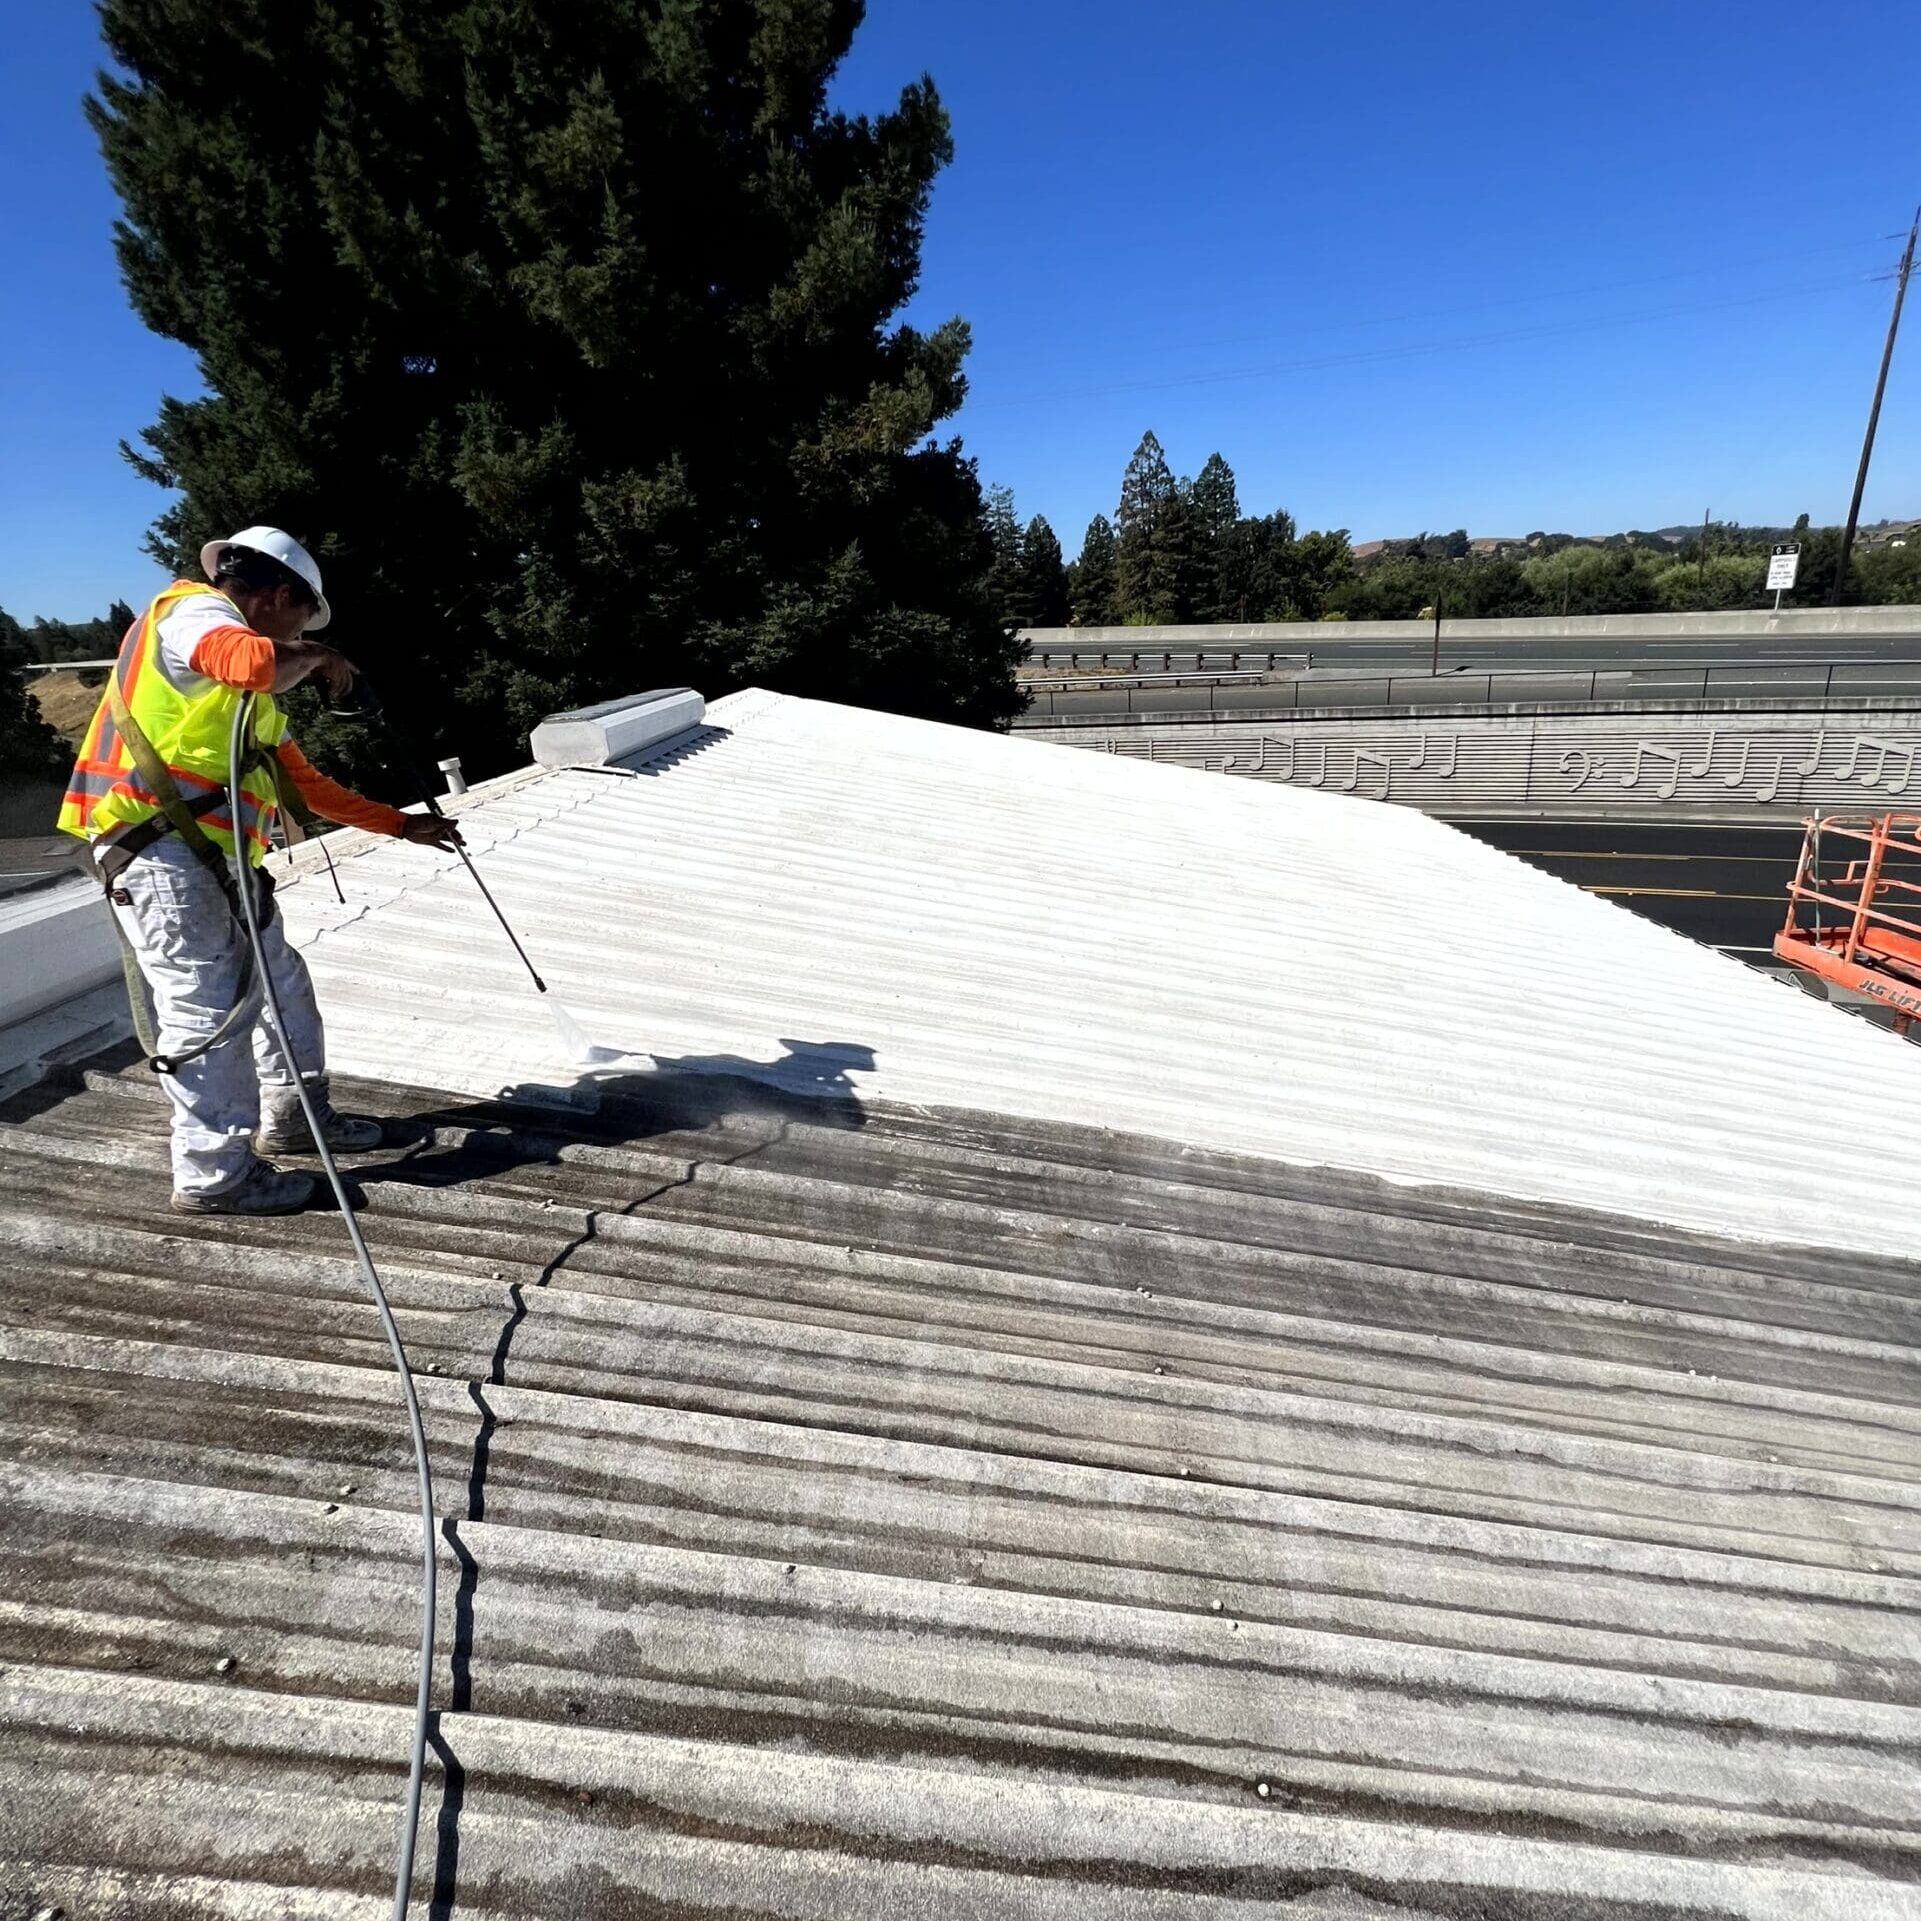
pixel 1306 636
pixel 1670 768
pixel 1096 694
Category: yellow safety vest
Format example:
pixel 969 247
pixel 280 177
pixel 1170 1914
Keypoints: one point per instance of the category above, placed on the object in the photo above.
pixel 192 736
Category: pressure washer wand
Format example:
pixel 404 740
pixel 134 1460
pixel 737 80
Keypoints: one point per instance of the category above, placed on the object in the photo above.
pixel 467 860
pixel 367 707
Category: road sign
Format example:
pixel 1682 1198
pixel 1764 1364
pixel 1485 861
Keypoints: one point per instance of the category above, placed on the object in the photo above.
pixel 1784 562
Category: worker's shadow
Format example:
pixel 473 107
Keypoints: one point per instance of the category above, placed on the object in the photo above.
pixel 809 1084
pixel 606 1105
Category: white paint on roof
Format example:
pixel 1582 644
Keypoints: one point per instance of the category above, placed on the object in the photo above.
pixel 849 901
pixel 55 944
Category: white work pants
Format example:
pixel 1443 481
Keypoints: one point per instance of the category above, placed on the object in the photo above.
pixel 189 946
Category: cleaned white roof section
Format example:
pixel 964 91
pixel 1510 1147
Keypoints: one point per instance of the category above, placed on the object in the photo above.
pixel 849 901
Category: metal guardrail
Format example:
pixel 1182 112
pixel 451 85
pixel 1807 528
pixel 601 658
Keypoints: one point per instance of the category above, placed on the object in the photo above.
pixel 1816 680
pixel 1069 683
pixel 61 666
pixel 1270 657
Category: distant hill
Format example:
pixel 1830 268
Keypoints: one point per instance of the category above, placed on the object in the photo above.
pixel 1494 546
pixel 1866 530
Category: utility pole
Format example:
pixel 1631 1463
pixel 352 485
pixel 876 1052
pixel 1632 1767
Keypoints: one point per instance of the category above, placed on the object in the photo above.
pixel 1705 511
pixel 1874 418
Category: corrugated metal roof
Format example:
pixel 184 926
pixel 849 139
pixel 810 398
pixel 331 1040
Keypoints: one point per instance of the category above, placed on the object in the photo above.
pixel 859 1510
pixel 959 919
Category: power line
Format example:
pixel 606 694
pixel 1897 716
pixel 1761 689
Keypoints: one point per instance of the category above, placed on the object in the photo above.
pixel 1352 321
pixel 1874 417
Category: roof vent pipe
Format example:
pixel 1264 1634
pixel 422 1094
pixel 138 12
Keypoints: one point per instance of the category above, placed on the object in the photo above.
pixel 456 780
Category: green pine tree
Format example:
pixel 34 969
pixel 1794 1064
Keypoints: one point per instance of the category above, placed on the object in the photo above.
pixel 1043 577
pixel 1095 579
pixel 70 639
pixel 1181 566
pixel 1147 488
pixel 1006 581
pixel 1216 501
pixel 1217 510
pixel 1249 563
pixel 31 751
pixel 569 344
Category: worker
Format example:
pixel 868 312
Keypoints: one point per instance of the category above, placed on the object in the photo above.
pixel 149 795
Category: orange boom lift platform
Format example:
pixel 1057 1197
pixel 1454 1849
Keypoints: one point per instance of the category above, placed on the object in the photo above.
pixel 1861 929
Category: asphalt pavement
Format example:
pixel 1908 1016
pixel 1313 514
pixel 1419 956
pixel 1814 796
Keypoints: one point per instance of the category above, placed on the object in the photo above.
pixel 1460 686
pixel 1402 656
pixel 1725 886
pixel 1589 651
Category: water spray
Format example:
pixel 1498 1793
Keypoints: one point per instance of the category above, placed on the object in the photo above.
pixel 364 704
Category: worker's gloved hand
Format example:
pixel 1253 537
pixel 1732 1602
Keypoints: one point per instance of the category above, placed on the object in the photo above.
pixel 431 830
pixel 303 659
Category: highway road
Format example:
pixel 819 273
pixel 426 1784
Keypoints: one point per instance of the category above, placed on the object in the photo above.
pixel 1580 652
pixel 1725 886
pixel 1400 655
pixel 1886 675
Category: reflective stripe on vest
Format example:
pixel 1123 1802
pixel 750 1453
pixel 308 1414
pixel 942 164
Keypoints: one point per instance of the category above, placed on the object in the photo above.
pixel 191 735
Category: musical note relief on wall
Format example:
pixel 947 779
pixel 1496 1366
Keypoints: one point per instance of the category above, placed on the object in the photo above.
pixel 1739 761
pixel 1648 747
pixel 1881 750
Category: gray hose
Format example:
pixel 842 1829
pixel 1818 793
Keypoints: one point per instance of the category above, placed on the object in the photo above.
pixel 277 1027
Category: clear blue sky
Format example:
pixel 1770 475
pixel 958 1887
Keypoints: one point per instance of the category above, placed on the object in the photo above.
pixel 1503 266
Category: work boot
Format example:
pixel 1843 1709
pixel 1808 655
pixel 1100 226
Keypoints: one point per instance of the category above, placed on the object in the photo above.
pixel 283 1122
pixel 263 1189
pixel 345 1133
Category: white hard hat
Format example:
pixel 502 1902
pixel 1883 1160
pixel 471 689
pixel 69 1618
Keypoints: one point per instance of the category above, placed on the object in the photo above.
pixel 276 546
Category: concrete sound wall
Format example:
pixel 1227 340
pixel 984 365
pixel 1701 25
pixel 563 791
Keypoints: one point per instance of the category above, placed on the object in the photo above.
pixel 1733 769
pixel 1814 624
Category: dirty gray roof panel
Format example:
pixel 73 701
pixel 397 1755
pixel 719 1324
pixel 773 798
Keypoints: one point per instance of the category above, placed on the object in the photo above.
pixel 852 1510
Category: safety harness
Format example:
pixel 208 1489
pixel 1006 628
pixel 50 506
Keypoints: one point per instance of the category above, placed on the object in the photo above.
pixel 180 816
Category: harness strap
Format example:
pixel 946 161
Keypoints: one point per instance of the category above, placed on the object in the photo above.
pixel 160 783
pixel 296 817
pixel 112 853
pixel 182 817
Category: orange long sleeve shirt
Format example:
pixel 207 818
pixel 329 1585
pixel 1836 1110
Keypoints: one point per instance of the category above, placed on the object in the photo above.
pixel 241 658
pixel 331 801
